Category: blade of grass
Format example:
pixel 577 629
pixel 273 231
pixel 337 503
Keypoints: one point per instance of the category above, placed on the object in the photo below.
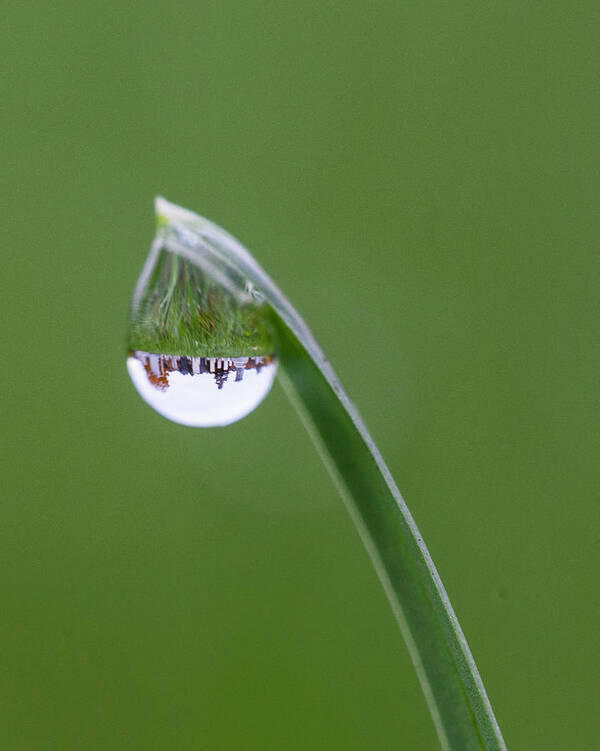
pixel 453 688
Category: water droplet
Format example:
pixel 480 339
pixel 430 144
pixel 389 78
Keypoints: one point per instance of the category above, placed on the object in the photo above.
pixel 200 343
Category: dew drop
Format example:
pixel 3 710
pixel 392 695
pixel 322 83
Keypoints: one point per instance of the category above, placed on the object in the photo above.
pixel 200 345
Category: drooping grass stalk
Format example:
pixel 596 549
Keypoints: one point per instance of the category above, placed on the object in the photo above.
pixel 455 694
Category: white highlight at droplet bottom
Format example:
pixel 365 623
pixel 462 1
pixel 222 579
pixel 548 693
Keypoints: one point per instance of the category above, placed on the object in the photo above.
pixel 196 401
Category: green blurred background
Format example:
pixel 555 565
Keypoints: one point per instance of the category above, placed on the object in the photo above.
pixel 422 180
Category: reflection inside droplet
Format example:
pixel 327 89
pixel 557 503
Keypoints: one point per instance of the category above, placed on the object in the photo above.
pixel 201 392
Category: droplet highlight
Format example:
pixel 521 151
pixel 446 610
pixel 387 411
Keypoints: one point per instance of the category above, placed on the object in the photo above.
pixel 202 392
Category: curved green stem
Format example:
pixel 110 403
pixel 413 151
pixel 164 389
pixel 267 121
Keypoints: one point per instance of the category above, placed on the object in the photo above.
pixel 455 694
